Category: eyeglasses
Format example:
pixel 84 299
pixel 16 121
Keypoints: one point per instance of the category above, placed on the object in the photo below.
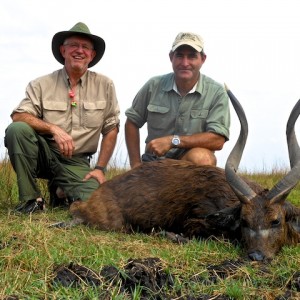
pixel 76 46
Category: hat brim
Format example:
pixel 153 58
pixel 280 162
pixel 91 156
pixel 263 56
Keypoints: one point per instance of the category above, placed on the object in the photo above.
pixel 187 43
pixel 59 38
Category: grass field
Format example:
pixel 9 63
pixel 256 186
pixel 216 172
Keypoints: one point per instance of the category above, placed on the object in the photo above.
pixel 40 262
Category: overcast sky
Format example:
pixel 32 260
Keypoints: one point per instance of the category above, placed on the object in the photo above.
pixel 252 46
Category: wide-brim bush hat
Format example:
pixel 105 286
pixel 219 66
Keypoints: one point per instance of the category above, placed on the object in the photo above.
pixel 78 29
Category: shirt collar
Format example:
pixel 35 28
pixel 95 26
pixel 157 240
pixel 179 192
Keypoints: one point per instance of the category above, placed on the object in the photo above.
pixel 171 85
pixel 190 92
pixel 82 80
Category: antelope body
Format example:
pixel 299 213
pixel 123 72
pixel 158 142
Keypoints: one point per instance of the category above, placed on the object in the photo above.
pixel 200 201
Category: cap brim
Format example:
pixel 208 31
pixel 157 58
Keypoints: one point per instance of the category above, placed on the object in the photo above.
pixel 197 48
pixel 59 38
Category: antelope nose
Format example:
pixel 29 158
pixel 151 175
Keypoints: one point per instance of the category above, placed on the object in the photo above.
pixel 256 255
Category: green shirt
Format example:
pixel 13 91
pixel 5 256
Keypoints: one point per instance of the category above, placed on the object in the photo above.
pixel 167 113
pixel 96 111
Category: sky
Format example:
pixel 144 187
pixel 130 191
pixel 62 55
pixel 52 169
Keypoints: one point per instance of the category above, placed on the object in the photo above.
pixel 252 46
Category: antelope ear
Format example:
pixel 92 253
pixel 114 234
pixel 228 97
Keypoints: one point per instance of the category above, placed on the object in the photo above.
pixel 292 213
pixel 279 197
pixel 225 219
pixel 292 216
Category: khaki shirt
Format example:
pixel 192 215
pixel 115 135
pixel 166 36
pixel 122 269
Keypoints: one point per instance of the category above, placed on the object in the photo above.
pixel 97 109
pixel 204 109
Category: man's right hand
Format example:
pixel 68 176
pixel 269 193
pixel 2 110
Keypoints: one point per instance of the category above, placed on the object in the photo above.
pixel 63 140
pixel 160 146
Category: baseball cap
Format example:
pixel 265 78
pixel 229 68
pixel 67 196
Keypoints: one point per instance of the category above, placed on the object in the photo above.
pixel 190 39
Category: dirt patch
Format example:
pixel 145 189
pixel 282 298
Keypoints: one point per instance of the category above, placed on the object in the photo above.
pixel 148 273
pixel 149 276
pixel 74 275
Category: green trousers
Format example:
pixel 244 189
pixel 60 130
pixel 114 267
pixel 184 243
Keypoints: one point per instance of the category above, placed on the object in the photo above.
pixel 34 156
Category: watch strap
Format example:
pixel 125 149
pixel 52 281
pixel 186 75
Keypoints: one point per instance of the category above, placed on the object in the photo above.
pixel 103 169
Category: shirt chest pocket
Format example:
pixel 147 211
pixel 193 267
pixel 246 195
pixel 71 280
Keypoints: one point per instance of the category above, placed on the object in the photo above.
pixel 55 112
pixel 93 113
pixel 158 116
pixel 198 119
pixel 199 113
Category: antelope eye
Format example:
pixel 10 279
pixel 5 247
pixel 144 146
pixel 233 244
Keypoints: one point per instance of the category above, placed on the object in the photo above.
pixel 275 223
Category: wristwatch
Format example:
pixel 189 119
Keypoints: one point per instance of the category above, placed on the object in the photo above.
pixel 103 169
pixel 175 141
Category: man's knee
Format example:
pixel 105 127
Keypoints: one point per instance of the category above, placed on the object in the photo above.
pixel 200 156
pixel 17 128
pixel 17 136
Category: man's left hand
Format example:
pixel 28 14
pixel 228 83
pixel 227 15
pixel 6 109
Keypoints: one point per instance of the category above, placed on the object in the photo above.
pixel 97 174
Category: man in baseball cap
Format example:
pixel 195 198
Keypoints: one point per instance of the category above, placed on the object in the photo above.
pixel 187 113
pixel 189 39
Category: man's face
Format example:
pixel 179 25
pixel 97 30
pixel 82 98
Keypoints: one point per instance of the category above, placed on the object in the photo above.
pixel 78 52
pixel 186 63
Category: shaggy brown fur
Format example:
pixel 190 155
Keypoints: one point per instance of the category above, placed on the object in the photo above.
pixel 195 201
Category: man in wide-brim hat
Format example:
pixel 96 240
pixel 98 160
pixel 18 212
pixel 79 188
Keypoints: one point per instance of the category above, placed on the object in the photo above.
pixel 80 29
pixel 57 127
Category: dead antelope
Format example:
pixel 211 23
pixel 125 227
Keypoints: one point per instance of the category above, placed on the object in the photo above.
pixel 200 201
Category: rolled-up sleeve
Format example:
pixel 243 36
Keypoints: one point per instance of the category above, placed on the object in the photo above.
pixel 218 119
pixel 112 119
pixel 32 102
pixel 138 112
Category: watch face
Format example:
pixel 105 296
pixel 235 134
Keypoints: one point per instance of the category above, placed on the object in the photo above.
pixel 175 141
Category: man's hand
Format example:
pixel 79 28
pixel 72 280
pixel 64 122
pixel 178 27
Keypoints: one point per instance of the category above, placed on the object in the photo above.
pixel 63 140
pixel 160 146
pixel 97 174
